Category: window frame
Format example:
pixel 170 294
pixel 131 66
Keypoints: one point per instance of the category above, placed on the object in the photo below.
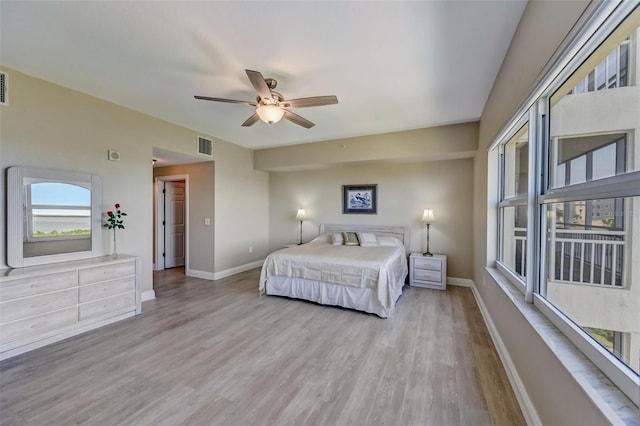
pixel 517 200
pixel 600 25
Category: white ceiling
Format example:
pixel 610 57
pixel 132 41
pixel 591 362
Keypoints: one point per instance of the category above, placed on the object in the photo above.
pixel 394 65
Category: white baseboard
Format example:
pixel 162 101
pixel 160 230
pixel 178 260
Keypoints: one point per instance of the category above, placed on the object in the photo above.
pixel 528 410
pixel 147 295
pixel 461 282
pixel 205 275
pixel 236 270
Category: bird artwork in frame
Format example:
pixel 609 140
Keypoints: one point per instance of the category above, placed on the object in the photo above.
pixel 359 199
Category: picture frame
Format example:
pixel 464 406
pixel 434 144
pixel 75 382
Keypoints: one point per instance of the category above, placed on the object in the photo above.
pixel 359 199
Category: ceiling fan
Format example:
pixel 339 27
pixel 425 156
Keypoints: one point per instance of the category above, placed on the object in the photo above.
pixel 271 106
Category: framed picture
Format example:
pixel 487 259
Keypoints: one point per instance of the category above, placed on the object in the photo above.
pixel 359 199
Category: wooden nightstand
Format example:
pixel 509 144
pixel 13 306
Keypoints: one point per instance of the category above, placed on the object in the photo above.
pixel 428 271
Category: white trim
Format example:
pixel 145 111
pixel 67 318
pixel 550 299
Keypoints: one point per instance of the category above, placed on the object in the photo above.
pixel 626 380
pixel 528 410
pixel 623 185
pixel 147 295
pixel 460 282
pixel 159 213
pixel 237 269
pixel 205 275
pixel 515 279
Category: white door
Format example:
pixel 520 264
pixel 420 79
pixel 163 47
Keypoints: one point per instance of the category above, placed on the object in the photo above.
pixel 174 229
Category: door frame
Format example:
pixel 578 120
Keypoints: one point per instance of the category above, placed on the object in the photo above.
pixel 159 215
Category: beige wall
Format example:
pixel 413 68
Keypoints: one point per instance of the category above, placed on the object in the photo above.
pixel 404 191
pixel 554 393
pixel 47 125
pixel 430 144
pixel 241 210
pixel 200 200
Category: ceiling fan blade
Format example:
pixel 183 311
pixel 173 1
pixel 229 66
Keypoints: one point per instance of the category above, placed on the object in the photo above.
pixel 311 101
pixel 295 118
pixel 231 101
pixel 257 80
pixel 251 120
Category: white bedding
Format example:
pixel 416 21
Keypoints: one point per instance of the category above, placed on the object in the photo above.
pixel 353 272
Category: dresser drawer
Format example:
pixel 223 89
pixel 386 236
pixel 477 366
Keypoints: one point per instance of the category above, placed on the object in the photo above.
pixel 107 272
pixel 39 325
pixel 427 263
pixel 425 275
pixel 35 305
pixel 24 287
pixel 104 289
pixel 108 307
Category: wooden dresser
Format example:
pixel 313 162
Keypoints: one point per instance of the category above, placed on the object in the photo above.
pixel 40 305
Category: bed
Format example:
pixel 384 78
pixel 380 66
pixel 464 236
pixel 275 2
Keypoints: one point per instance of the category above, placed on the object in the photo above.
pixel 366 276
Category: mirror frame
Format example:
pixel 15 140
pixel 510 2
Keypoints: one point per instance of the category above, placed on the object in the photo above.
pixel 16 177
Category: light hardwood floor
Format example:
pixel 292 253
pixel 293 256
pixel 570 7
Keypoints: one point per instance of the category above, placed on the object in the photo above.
pixel 215 352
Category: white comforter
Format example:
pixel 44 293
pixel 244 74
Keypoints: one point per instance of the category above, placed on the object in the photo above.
pixel 378 268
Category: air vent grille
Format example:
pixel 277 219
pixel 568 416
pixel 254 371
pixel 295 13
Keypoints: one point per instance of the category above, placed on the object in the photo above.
pixel 205 146
pixel 4 99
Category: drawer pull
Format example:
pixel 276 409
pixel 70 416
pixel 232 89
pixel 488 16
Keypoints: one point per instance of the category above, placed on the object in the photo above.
pixel 36 305
pixel 38 325
pixel 38 284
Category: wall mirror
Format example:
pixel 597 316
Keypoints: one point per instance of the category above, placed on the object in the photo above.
pixel 52 216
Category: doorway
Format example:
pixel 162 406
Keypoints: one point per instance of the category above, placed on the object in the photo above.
pixel 172 221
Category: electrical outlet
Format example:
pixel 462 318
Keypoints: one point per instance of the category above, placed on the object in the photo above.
pixel 250 249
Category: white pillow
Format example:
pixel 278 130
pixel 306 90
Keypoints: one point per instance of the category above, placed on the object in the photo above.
pixel 336 239
pixel 389 241
pixel 368 239
pixel 322 238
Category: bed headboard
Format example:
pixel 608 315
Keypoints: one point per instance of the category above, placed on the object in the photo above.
pixel 399 232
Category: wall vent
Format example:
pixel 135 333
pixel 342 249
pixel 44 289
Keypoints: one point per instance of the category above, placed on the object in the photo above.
pixel 4 82
pixel 205 146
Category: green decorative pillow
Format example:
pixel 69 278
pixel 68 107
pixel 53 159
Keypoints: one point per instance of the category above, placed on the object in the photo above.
pixel 350 239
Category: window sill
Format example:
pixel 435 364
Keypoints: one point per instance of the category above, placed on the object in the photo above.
pixel 613 404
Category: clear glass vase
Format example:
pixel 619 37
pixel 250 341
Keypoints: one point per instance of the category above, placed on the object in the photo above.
pixel 114 247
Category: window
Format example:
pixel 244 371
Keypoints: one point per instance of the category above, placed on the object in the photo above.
pixel 610 73
pixel 580 226
pixel 513 205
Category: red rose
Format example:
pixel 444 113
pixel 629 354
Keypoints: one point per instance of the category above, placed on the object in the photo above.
pixel 110 214
pixel 117 206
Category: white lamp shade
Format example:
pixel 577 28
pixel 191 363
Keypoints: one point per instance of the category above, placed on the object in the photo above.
pixel 428 216
pixel 301 215
pixel 270 113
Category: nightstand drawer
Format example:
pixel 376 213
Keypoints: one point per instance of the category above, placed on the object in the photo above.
pixel 425 275
pixel 427 263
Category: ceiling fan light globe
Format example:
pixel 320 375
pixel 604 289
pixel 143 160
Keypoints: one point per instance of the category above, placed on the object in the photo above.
pixel 270 114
